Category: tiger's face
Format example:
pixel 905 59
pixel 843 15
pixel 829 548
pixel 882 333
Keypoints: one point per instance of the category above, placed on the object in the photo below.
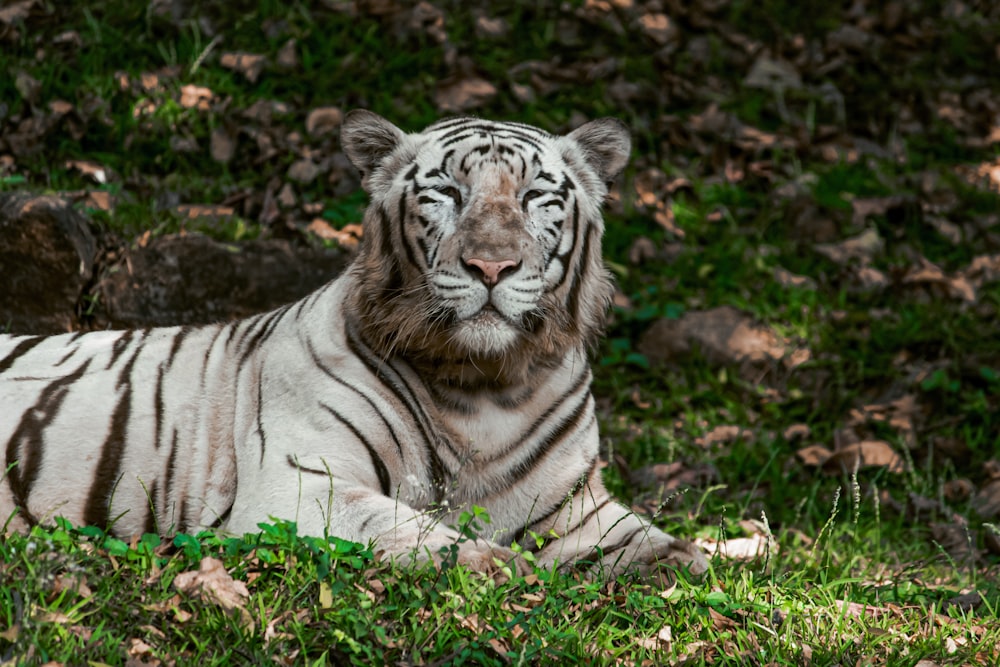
pixel 482 240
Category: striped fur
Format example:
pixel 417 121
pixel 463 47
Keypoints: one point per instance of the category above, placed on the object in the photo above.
pixel 445 368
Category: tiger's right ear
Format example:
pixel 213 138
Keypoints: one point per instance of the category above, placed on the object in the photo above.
pixel 367 139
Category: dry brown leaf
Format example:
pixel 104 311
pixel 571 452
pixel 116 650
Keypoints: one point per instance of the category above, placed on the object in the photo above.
pixel 957 490
pixel 60 107
pixel 288 57
pixel 213 584
pixel 786 278
pixel 192 211
pixel 223 145
pixel 641 250
pixel 196 97
pixel 15 12
pixel 491 28
pixel 323 120
pixel 856 610
pixel 987 500
pixel 927 272
pixel 659 28
pixel 772 74
pixel 724 434
pixel 75 583
pixel 250 65
pixel 871 279
pixel 797 431
pixel 863 247
pixel 303 171
pixel 463 94
pixel 349 237
pixel 813 455
pixel 92 170
pixel 865 454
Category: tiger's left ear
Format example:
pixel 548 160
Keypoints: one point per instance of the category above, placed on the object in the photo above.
pixel 606 144
pixel 368 139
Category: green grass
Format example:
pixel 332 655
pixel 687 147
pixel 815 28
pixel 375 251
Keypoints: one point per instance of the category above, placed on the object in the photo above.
pixel 837 539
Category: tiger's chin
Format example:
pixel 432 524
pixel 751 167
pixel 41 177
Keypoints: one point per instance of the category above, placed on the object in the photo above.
pixel 486 333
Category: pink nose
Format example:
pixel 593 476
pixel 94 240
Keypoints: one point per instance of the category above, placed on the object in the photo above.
pixel 490 272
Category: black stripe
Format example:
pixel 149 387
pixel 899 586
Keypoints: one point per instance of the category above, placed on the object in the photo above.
pixel 527 436
pixel 111 462
pixel 580 485
pixel 30 432
pixel 260 421
pixel 175 347
pixel 391 380
pixel 119 346
pixel 169 484
pixel 394 282
pixel 603 552
pixel 270 324
pixel 329 373
pixel 20 349
pixel 150 523
pixel 403 240
pixel 301 468
pixel 222 518
pixel 565 427
pixel 69 355
pixel 580 276
pixel 159 415
pixel 380 470
pixel 575 224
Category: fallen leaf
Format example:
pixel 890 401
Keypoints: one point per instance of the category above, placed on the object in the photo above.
pixel 15 12
pixel 813 455
pixel 796 431
pixel 323 120
pixel 987 501
pixel 90 169
pixel 349 237
pixel 857 610
pixel 223 145
pixel 864 454
pixel 213 584
pixel 193 211
pixel 463 94
pixel 196 96
pixel 724 434
pixel 250 65
pixel 863 247
pixel 786 278
pixel 659 28
pixel 491 28
pixel 288 57
pixel 773 74
pixel 303 171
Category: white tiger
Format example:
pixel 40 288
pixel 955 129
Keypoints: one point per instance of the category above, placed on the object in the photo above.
pixel 445 368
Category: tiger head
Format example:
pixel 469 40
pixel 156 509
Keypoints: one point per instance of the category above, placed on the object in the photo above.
pixel 481 256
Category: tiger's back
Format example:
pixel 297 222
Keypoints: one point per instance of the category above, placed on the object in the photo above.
pixel 137 444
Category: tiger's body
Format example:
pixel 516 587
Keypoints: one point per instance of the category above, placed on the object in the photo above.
pixel 445 368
